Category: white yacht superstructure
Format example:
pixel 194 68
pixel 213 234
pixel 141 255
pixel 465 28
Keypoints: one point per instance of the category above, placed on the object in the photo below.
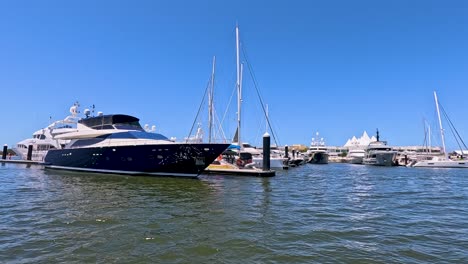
pixel 44 139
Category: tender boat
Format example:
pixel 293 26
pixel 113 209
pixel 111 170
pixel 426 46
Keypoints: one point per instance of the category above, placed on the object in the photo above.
pixel 118 144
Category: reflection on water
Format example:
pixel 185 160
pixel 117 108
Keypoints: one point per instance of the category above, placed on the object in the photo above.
pixel 332 213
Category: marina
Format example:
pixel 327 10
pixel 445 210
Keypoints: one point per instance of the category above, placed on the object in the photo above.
pixel 234 132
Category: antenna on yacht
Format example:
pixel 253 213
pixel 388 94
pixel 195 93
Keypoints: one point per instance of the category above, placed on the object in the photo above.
pixel 378 136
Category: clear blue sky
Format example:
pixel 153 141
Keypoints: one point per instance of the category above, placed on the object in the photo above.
pixel 338 67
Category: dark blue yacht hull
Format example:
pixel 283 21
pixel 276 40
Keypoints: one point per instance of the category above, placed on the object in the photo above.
pixel 184 160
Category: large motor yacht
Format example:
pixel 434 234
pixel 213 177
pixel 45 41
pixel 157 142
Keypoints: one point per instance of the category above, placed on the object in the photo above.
pixel 118 144
pixel 317 152
pixel 378 153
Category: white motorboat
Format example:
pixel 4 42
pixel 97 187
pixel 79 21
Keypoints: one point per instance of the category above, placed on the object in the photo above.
pixel 356 156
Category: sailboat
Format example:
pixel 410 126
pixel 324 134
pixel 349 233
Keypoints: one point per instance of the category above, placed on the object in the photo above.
pixel 441 161
pixel 248 155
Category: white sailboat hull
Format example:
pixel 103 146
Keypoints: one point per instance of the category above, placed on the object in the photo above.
pixel 442 164
pixel 275 163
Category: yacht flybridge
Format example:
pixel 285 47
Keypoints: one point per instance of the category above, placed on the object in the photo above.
pixel 118 144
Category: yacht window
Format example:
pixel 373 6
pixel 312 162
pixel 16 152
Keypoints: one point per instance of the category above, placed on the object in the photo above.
pixel 42 137
pixel 128 125
pixel 103 127
pixel 86 142
pixel 136 134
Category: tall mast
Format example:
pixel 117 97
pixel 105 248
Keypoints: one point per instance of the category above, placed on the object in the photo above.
pixel 210 102
pixel 440 123
pixel 239 88
pixel 429 135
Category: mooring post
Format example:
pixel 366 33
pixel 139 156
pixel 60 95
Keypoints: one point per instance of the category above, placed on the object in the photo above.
pixel 29 156
pixel 266 152
pixel 293 154
pixel 5 150
pixel 286 151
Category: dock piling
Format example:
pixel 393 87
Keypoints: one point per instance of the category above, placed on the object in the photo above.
pixel 5 151
pixel 29 156
pixel 266 152
pixel 286 151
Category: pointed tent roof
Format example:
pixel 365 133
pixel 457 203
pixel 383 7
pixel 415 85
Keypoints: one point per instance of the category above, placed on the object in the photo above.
pixel 363 141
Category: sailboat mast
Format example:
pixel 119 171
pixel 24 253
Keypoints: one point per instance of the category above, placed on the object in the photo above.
pixel 239 88
pixel 429 139
pixel 210 102
pixel 440 123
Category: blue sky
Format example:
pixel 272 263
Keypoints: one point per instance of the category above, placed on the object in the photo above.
pixel 337 67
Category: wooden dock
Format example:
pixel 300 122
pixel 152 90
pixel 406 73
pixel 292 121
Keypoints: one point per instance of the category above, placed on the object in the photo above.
pixel 30 162
pixel 240 172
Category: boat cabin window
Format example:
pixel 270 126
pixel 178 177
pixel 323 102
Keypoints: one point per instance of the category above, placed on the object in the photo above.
pixel 245 155
pixel 128 125
pixel 112 122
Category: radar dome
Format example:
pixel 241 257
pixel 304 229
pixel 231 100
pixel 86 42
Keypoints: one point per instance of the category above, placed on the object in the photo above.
pixel 74 110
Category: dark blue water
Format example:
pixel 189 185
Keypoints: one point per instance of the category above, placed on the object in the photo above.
pixel 335 213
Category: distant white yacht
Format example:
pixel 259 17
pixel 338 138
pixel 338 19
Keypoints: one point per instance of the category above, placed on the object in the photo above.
pixel 356 156
pixel 317 152
pixel 43 140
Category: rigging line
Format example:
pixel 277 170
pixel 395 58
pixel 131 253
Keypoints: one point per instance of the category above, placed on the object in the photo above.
pixel 218 133
pixel 229 103
pixel 453 133
pixel 452 127
pixel 425 143
pixel 220 127
pixel 198 113
pixel 258 93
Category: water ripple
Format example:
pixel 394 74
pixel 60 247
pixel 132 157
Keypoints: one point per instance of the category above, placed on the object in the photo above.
pixel 337 213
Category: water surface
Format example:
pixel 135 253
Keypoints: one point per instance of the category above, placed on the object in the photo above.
pixel 335 213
